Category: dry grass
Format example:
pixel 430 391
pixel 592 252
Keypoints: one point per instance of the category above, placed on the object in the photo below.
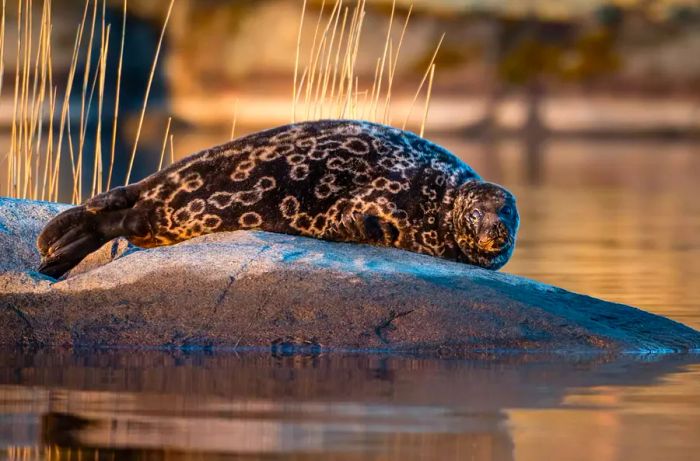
pixel 326 85
pixel 235 119
pixel 49 453
pixel 116 98
pixel 38 134
pixel 165 143
pixel 328 81
pixel 148 91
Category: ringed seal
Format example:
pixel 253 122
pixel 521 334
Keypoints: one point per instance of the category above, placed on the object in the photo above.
pixel 338 180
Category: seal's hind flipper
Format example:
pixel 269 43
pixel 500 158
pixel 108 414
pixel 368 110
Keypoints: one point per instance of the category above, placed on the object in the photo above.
pixel 67 239
pixel 79 231
pixel 60 225
pixel 119 198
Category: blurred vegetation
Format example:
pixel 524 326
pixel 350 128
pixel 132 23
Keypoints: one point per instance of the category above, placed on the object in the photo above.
pixel 583 46
pixel 590 56
pixel 593 55
pixel 530 59
pixel 577 54
pixel 450 56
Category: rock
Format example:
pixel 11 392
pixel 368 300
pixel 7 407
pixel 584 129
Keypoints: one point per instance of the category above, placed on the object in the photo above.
pixel 241 289
pixel 20 224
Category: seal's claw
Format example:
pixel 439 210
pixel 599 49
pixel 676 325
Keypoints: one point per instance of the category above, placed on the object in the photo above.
pixel 67 239
pixel 65 257
pixel 58 227
pixel 77 232
pixel 64 240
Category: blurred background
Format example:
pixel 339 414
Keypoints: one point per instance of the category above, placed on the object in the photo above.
pixel 567 68
pixel 531 69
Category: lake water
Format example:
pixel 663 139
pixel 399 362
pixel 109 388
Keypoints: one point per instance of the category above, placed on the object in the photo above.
pixel 172 406
pixel 617 220
pixel 611 219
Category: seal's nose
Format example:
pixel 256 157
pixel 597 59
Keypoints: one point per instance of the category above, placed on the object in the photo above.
pixel 498 230
pixel 485 242
pixel 493 236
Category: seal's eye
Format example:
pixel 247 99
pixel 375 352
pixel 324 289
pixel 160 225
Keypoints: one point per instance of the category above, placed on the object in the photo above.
pixel 475 215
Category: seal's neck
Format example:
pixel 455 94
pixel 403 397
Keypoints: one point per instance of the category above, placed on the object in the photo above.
pixel 448 208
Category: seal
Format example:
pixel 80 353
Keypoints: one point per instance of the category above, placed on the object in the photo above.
pixel 337 180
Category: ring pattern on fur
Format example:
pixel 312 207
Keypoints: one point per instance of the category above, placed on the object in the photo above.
pixel 336 180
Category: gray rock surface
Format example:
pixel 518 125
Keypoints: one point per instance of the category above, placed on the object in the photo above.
pixel 262 289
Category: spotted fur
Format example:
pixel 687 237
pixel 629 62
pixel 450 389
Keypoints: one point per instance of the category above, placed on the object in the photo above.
pixel 336 180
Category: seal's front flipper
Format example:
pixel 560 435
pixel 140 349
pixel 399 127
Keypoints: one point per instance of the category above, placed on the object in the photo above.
pixel 363 227
pixel 378 230
pixel 77 232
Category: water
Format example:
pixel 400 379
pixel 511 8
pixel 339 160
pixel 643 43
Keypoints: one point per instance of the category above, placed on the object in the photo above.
pixel 617 220
pixel 160 405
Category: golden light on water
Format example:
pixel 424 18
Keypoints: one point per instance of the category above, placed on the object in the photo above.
pixel 608 219
pixel 614 422
pixel 153 405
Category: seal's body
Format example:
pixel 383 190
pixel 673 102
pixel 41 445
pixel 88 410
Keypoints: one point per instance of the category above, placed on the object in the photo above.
pixel 335 180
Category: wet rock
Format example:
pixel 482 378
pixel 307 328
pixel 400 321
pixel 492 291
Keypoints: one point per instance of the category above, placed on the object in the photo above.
pixel 287 293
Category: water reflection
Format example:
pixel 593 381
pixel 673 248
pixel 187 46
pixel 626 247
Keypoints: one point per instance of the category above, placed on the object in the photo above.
pixel 158 405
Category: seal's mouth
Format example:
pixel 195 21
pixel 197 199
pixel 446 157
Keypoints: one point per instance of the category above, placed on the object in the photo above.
pixel 491 245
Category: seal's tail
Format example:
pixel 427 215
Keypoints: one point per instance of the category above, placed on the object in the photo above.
pixel 75 233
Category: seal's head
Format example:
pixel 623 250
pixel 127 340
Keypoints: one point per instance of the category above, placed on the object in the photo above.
pixel 485 223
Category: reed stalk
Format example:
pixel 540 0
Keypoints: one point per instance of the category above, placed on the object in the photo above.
pixel 425 77
pixel 427 100
pixel 296 62
pixel 235 119
pixel 148 92
pixel 329 82
pixel 172 150
pixel 165 143
pixel 116 99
